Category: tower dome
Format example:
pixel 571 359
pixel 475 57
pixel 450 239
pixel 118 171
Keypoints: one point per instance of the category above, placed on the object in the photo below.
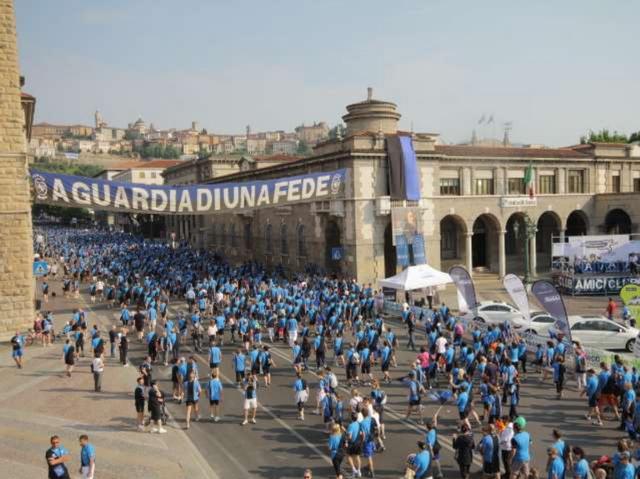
pixel 372 115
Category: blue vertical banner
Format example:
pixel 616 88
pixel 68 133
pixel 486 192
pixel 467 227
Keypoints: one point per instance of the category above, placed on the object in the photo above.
pixel 419 255
pixel 402 251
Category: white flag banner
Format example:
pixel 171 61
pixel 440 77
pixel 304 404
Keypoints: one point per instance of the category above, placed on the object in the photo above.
pixel 514 286
pixel 463 307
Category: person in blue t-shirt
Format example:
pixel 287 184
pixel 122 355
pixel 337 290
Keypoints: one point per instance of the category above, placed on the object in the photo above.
pixel 336 449
pixel 87 457
pixel 56 457
pixel 591 390
pixel 355 438
pixel 17 347
pixel 239 365
pixel 521 442
pixel 192 390
pixel 555 470
pixel 581 465
pixel 214 392
pixel 421 461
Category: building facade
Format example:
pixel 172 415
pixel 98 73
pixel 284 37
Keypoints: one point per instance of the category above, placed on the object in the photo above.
pixel 16 247
pixel 472 198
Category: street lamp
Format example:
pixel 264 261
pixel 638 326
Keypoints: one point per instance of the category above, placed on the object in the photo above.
pixel 529 231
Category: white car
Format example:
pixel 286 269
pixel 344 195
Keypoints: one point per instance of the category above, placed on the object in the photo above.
pixel 496 312
pixel 541 323
pixel 601 333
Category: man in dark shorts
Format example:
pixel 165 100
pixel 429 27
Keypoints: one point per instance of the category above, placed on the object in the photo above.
pixel 354 445
pixel 138 322
pixel 56 457
pixel 192 390
pixel 490 449
pixel 139 399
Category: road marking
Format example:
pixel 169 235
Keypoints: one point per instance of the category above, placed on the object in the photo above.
pixel 445 442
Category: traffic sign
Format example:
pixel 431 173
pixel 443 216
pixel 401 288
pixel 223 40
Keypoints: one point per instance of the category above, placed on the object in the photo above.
pixel 336 253
pixel 40 268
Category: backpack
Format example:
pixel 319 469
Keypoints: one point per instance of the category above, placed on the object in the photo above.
pixel 333 381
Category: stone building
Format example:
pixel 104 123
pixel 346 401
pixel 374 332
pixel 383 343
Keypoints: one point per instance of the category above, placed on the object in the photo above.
pixel 471 198
pixel 16 249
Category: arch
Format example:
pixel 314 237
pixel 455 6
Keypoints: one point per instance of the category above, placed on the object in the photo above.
pixel 332 239
pixel 513 241
pixel 617 222
pixel 302 246
pixel 549 225
pixel 268 238
pixel 284 241
pixel 484 245
pixel 577 223
pixel 390 259
pixel 452 244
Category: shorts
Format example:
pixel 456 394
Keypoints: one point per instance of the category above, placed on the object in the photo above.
pixel 366 368
pixel 463 414
pixel 369 449
pixel 414 402
pixel 17 353
pixel 351 371
pixel 607 400
pixel 214 402
pixel 593 401
pixel 354 450
pixel 139 406
pixel 239 376
pixel 491 467
pixel 385 367
pixel 214 365
pixel 520 469
pixel 250 404
pixel 266 369
pixel 220 332
pixel 255 370
pixel 191 403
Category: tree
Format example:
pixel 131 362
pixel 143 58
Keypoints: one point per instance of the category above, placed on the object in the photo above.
pixel 131 135
pixel 634 136
pixel 604 136
pixel 303 148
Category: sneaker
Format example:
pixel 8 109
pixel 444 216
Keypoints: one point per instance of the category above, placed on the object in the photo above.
pixel 244 423
pixel 253 421
pixel 216 419
pixel 162 430
pixel 141 428
pixel 154 430
pixel 197 418
pixel 210 416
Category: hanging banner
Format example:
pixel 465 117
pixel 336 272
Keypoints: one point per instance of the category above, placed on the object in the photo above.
pixel 551 300
pixel 419 256
pixel 464 283
pixel 405 222
pixel 402 251
pixel 630 296
pixel 78 191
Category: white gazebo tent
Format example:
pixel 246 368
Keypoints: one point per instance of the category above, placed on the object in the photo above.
pixel 416 277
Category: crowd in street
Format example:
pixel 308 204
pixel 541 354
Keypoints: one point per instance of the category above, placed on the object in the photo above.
pixel 174 299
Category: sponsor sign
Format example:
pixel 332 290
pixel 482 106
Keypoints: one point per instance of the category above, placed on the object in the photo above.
pixel 514 286
pixel 466 289
pixel 588 251
pixel 517 201
pixel 419 255
pixel 595 284
pixel 40 268
pixel 402 251
pixel 67 190
pixel 630 296
pixel 551 301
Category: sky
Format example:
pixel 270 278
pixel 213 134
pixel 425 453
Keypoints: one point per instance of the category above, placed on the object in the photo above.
pixel 555 69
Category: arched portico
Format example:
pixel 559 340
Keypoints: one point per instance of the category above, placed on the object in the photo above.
pixel 617 222
pixel 453 247
pixel 577 224
pixel 549 225
pixel 487 244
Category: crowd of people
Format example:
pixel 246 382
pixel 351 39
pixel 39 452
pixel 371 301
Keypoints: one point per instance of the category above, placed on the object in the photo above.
pixel 339 341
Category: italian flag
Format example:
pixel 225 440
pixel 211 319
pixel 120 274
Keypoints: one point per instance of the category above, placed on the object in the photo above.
pixel 528 181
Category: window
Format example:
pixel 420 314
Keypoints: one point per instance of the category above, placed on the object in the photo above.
pixel 449 186
pixel 484 186
pixel 302 247
pixel 636 185
pixel 515 186
pixel 547 184
pixel 544 319
pixel 142 174
pixel 284 242
pixel 247 236
pixel 576 181
pixel 606 326
pixel 449 241
pixel 152 174
pixel 615 184
pixel 268 234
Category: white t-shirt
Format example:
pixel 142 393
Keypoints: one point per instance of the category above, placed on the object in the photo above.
pixel 98 365
pixel 441 345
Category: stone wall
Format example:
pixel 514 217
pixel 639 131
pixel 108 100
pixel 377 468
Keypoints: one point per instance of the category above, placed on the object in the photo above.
pixel 16 251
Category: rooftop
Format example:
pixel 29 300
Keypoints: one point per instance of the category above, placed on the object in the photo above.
pixel 507 152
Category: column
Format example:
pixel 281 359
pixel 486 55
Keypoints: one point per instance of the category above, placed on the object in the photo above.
pixel 562 235
pixel 502 257
pixel 469 251
pixel 533 256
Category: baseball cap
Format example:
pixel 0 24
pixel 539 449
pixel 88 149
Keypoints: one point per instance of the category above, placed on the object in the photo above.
pixel 521 422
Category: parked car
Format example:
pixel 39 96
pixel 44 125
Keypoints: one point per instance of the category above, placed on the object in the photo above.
pixel 541 323
pixel 601 333
pixel 497 312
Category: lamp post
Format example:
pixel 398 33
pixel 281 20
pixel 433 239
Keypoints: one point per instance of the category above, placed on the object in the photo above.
pixel 529 230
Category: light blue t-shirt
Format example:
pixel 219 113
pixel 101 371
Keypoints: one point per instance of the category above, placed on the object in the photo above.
pixel 214 389
pixel 556 469
pixel 521 443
